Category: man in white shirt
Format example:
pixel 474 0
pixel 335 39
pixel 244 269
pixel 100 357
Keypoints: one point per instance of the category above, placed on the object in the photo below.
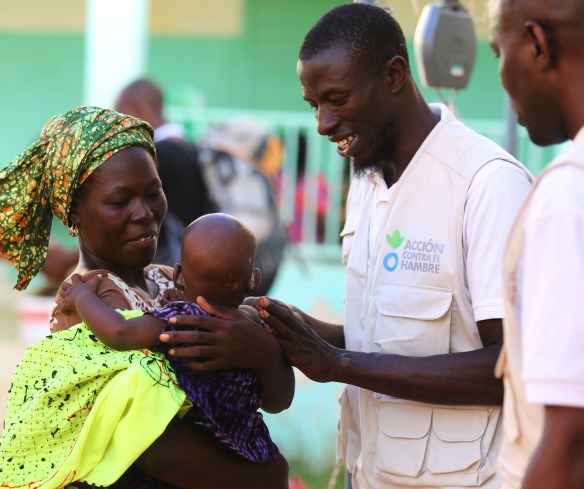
pixel 427 220
pixel 541 51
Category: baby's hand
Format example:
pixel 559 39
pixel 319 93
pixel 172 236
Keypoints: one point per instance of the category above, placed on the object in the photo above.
pixel 74 291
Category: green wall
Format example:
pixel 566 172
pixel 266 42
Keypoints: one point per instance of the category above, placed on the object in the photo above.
pixel 259 70
pixel 255 71
pixel 41 75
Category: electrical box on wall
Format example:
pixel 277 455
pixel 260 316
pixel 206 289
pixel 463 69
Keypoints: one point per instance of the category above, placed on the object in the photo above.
pixel 445 45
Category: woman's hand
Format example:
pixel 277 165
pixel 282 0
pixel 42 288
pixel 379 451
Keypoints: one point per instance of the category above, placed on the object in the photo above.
pixel 229 339
pixel 73 292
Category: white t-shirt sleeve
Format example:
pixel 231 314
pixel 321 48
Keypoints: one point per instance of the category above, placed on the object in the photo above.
pixel 553 291
pixel 492 203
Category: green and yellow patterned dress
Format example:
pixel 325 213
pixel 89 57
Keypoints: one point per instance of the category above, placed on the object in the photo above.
pixel 80 411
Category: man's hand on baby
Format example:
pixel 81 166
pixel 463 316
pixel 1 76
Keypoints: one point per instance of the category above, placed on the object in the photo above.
pixel 74 291
pixel 220 311
pixel 256 304
pixel 225 339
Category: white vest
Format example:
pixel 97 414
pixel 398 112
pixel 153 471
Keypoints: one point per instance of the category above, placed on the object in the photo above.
pixel 523 422
pixel 409 300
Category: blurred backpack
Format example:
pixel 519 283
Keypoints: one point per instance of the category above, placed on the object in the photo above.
pixel 232 156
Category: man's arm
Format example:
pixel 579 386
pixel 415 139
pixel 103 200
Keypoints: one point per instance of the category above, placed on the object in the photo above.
pixel 454 378
pixel 558 462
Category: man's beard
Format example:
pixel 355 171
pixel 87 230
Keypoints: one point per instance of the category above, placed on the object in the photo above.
pixel 360 170
pixel 375 162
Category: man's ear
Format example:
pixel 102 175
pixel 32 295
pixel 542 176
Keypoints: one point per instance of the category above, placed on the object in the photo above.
pixel 395 72
pixel 254 281
pixel 543 46
pixel 178 277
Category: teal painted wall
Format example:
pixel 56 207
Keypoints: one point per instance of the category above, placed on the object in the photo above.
pixel 43 75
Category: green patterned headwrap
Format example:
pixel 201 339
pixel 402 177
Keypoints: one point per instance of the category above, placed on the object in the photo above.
pixel 42 180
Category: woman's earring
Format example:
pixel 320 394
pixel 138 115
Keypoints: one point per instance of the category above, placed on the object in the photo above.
pixel 74 230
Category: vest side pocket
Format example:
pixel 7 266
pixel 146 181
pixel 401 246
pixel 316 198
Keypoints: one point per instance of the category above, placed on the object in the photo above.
pixel 436 446
pixel 402 439
pixel 457 436
pixel 413 320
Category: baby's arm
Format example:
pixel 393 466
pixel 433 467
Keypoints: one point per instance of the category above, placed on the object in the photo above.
pixel 107 324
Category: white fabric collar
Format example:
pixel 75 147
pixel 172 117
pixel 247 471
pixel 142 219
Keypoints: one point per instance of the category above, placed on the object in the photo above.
pixel 168 130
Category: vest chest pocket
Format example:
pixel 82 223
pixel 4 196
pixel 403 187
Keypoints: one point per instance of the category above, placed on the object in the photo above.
pixel 413 320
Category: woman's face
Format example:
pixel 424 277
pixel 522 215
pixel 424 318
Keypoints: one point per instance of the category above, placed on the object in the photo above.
pixel 120 210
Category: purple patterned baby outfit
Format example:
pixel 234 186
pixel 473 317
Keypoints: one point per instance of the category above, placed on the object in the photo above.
pixel 229 399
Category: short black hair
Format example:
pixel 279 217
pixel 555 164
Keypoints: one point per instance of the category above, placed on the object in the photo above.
pixel 368 33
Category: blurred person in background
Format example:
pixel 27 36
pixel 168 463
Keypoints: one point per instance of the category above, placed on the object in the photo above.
pixel 181 176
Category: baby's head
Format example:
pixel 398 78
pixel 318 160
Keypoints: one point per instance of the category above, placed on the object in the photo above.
pixel 217 260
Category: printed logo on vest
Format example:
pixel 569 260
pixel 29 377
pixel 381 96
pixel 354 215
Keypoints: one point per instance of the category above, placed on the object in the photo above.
pixel 391 260
pixel 416 256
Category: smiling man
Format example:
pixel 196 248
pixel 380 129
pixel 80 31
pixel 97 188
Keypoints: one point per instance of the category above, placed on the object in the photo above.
pixel 541 50
pixel 427 220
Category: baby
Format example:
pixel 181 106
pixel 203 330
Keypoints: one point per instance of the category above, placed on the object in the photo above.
pixel 217 263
